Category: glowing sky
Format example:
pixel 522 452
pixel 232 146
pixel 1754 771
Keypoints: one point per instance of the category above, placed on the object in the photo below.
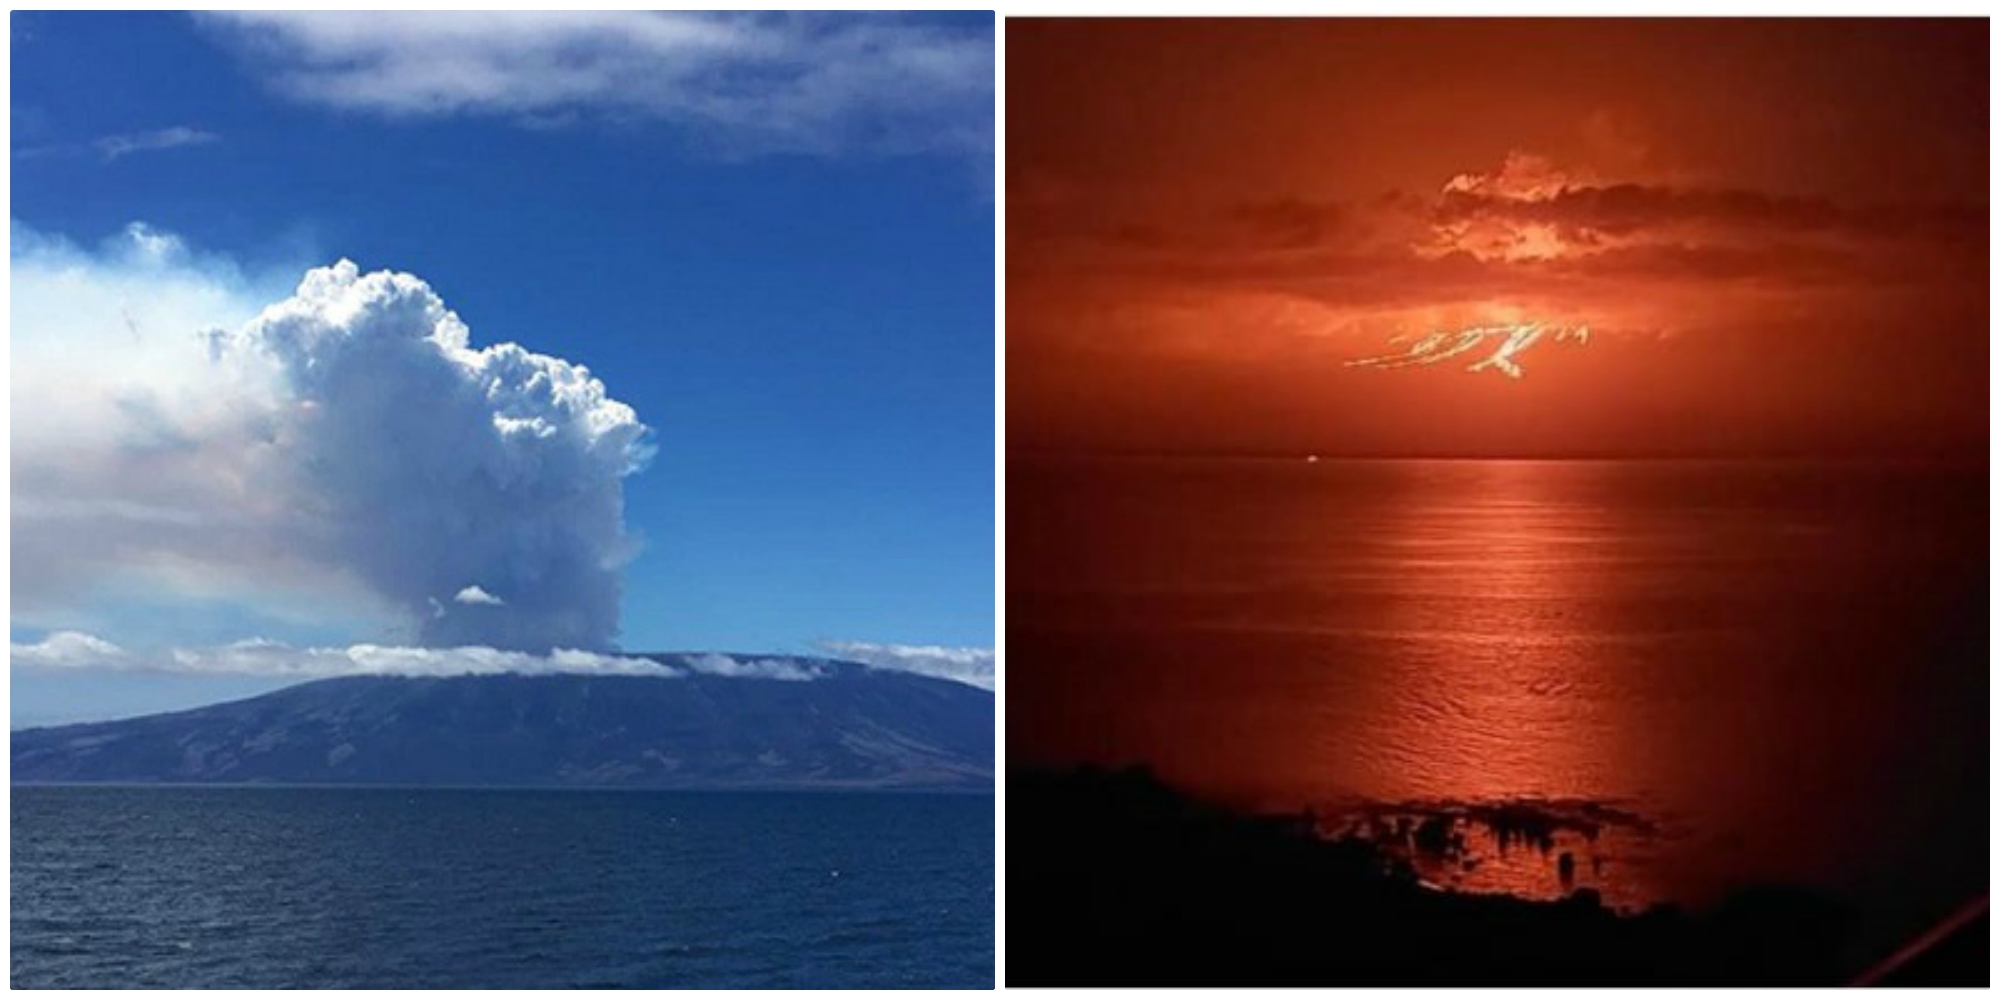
pixel 1342 236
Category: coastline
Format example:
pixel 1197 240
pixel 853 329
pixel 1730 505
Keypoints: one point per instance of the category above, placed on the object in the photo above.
pixel 1119 879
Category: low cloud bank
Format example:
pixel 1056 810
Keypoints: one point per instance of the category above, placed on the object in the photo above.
pixel 964 665
pixel 81 652
pixel 759 668
pixel 77 651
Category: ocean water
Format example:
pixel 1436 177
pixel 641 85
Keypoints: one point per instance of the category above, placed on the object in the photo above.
pixel 298 887
pixel 1690 677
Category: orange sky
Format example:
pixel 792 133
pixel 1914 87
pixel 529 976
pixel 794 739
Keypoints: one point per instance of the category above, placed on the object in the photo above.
pixel 1776 233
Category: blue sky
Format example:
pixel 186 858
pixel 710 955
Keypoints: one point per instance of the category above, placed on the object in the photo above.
pixel 802 312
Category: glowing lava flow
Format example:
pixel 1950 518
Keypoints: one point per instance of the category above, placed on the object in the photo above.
pixel 1443 345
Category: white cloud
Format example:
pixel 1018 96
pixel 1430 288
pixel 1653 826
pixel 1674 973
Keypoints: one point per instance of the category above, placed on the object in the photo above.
pixel 72 651
pixel 80 652
pixel 347 441
pixel 765 668
pixel 112 147
pixel 474 595
pixel 815 83
pixel 964 665
pixel 152 246
pixel 69 651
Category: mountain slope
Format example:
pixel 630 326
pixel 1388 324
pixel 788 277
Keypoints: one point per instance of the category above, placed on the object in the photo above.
pixel 850 727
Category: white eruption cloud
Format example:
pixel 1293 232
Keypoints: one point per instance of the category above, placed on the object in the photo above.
pixel 964 665
pixel 348 440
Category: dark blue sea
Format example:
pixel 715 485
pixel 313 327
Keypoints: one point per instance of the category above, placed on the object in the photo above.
pixel 305 887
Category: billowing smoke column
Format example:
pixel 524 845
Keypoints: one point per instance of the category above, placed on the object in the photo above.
pixel 477 489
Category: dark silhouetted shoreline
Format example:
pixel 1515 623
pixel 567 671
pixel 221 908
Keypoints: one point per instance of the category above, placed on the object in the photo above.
pixel 1115 879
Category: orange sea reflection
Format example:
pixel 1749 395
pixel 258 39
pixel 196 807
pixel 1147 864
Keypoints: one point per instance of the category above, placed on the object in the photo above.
pixel 1746 658
pixel 1500 695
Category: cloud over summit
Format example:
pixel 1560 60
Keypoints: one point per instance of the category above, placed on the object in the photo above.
pixel 428 462
pixel 346 439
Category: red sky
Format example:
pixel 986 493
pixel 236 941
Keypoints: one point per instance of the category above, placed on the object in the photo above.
pixel 1775 231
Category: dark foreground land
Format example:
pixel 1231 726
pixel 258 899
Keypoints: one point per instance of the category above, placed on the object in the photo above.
pixel 1114 879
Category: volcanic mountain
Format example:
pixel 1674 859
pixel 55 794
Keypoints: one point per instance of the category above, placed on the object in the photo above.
pixel 848 726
